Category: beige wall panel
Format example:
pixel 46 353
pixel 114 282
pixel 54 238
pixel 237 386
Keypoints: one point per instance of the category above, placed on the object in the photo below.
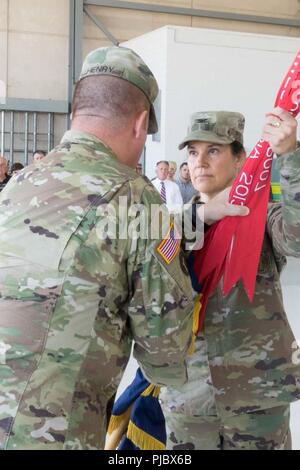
pixel 170 3
pixel 3 64
pixel 3 47
pixel 127 24
pixel 294 32
pixel 246 27
pixel 37 66
pixel 3 14
pixel 40 16
pixel 89 45
pixel 160 20
pixel 274 8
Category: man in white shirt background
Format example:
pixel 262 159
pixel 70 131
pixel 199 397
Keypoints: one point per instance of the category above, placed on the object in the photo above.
pixel 168 190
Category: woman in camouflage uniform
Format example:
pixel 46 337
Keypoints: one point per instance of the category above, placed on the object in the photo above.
pixel 246 368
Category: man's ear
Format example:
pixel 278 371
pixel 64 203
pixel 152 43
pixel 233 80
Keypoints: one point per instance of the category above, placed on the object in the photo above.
pixel 141 124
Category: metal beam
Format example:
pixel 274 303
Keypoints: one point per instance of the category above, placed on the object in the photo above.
pixel 221 15
pixel 78 38
pixel 71 50
pixel 75 44
pixel 101 26
pixel 39 106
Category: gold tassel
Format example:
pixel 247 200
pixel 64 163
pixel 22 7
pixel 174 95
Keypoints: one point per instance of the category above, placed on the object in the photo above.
pixel 196 319
pixel 151 389
pixel 119 423
pixel 148 390
pixel 116 429
pixel 143 440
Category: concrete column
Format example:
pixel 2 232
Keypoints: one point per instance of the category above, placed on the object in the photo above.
pixel 3 47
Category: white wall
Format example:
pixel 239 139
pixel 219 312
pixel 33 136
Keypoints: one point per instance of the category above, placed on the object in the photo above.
pixel 146 44
pixel 210 70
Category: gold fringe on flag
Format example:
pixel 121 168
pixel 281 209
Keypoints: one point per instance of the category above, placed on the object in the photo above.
pixel 196 320
pixel 116 429
pixel 152 388
pixel 143 440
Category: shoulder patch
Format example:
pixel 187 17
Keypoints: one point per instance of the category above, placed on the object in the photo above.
pixel 168 249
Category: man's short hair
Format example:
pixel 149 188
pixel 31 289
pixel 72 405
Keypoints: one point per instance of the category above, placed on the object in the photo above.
pixel 126 65
pixel 183 164
pixel 163 161
pixel 16 167
pixel 109 98
pixel 40 152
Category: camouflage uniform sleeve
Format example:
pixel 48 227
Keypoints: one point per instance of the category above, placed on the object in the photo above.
pixel 193 228
pixel 161 304
pixel 283 223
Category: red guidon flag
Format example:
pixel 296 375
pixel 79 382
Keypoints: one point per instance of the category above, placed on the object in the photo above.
pixel 233 246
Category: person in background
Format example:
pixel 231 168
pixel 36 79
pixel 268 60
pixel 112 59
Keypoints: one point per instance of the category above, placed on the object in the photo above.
pixel 16 168
pixel 4 176
pixel 38 155
pixel 186 187
pixel 139 169
pixel 172 171
pixel 168 190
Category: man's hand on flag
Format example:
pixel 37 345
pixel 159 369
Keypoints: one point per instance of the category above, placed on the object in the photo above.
pixel 219 207
pixel 280 130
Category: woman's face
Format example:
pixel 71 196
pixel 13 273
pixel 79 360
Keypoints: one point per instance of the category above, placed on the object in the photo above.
pixel 213 167
pixel 172 171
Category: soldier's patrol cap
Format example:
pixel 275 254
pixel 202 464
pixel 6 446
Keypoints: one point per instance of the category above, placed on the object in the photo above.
pixel 123 63
pixel 217 127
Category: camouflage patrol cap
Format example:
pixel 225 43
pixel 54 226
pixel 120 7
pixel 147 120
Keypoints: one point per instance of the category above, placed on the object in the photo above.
pixel 218 127
pixel 124 63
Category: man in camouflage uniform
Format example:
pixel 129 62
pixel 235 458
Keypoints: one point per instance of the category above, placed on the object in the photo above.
pixel 73 300
pixel 246 368
pixel 74 288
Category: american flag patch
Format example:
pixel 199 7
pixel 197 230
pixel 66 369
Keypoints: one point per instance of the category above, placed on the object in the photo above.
pixel 170 246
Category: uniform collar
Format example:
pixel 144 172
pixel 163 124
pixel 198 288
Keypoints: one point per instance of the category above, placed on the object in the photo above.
pixel 83 138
